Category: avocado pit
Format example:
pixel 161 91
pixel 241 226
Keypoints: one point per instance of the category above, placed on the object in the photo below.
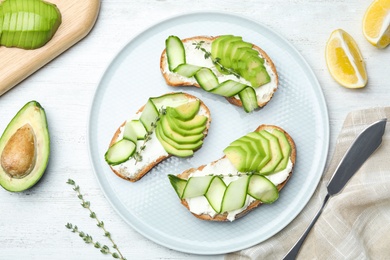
pixel 19 155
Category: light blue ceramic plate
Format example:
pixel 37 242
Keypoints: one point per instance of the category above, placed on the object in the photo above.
pixel 151 206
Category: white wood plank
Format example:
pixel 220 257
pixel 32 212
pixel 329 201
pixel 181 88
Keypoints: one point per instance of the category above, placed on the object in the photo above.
pixel 32 223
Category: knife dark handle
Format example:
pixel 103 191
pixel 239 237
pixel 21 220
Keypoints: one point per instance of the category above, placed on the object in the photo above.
pixel 292 254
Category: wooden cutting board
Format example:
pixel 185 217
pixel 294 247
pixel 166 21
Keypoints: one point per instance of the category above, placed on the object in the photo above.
pixel 78 18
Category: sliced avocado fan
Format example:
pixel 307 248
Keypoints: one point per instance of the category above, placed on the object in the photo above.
pixel 28 24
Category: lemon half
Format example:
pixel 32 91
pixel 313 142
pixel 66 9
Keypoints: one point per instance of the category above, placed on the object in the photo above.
pixel 344 60
pixel 376 23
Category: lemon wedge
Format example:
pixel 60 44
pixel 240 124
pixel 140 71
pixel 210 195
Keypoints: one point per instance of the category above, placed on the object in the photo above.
pixel 376 23
pixel 344 60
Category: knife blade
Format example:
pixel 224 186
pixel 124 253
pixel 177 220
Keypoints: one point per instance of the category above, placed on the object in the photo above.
pixel 359 151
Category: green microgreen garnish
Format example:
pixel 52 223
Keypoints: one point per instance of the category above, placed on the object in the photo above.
pixel 216 61
pixel 104 249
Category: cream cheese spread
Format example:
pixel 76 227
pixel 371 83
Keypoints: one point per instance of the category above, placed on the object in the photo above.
pixel 196 57
pixel 153 150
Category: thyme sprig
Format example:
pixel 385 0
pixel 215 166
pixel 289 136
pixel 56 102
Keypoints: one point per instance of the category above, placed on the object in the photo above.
pixel 148 136
pixel 216 61
pixel 86 237
pixel 239 174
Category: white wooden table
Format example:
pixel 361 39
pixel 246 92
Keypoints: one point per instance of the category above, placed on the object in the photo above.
pixel 32 223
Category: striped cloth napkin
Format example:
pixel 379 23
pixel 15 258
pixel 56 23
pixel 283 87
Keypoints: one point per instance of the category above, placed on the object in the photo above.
pixel 355 223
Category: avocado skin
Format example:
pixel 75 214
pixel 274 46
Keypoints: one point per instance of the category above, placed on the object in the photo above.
pixel 34 114
pixel 35 24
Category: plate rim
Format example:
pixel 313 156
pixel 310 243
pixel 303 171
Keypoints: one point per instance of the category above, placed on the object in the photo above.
pixel 319 93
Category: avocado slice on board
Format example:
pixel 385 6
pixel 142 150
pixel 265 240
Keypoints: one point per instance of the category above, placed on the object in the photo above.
pixel 24 148
pixel 28 24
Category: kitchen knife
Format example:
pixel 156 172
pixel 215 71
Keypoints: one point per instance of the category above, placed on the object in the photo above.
pixel 360 150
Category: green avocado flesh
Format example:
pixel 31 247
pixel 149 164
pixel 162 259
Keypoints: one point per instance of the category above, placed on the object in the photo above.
pixel 233 53
pixel 24 148
pixel 261 152
pixel 176 122
pixel 182 129
pixel 28 24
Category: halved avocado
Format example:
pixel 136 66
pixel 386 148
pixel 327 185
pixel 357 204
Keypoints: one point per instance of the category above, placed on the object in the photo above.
pixel 24 148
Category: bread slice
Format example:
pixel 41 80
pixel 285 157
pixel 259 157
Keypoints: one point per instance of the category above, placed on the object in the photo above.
pixel 254 204
pixel 130 173
pixel 263 93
